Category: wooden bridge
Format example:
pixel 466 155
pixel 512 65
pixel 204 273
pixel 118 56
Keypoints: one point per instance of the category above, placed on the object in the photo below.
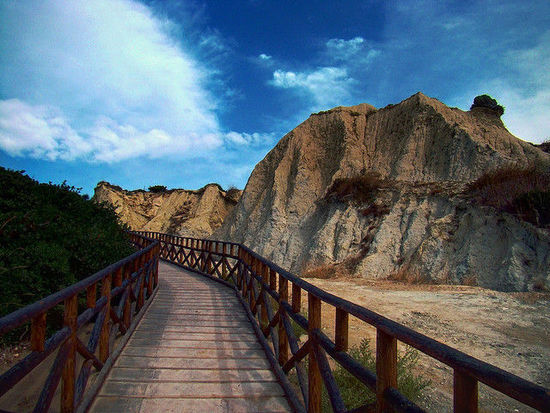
pixel 210 329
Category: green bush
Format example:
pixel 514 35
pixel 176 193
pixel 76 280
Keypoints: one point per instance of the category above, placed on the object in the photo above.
pixel 51 237
pixel 157 188
pixel 355 394
pixel 486 101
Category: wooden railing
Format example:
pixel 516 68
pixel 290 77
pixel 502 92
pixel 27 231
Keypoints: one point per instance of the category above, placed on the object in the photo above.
pixel 263 288
pixel 124 289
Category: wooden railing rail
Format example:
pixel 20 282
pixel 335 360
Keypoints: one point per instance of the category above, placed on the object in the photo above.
pixel 264 290
pixel 123 289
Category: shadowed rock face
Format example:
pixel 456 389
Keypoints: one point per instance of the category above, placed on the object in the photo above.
pixel 417 224
pixel 177 211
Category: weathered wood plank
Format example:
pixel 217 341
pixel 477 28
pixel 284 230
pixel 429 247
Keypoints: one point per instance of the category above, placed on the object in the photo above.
pixel 202 353
pixel 191 390
pixel 161 375
pixel 190 363
pixel 212 405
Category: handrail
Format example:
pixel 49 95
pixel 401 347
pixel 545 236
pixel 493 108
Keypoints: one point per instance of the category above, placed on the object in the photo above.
pixel 257 279
pixel 124 289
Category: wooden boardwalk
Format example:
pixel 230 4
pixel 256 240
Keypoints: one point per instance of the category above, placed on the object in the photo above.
pixel 193 351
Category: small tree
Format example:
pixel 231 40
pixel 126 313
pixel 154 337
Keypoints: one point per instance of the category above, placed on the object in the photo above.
pixel 157 188
pixel 486 101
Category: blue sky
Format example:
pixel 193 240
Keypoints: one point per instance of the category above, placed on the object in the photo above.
pixel 183 93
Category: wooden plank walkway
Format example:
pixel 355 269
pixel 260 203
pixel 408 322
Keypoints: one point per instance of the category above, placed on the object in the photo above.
pixel 193 351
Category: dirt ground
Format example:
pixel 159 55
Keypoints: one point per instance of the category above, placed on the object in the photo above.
pixel 508 330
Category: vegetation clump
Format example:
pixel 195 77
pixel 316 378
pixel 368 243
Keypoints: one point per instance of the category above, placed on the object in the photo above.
pixel 233 193
pixel 358 189
pixel 51 237
pixel 524 192
pixel 355 394
pixel 157 189
pixel 486 101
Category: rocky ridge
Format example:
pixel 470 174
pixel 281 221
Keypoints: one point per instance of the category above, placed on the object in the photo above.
pixel 417 222
pixel 176 211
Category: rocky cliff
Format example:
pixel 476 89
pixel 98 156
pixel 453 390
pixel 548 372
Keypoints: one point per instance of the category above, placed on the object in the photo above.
pixel 383 193
pixel 176 211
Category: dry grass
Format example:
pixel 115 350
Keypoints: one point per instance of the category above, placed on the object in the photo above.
pixel 470 280
pixel 531 297
pixel 375 210
pixel 408 276
pixel 359 189
pixel 324 271
pixel 524 192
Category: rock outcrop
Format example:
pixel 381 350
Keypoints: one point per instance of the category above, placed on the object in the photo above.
pixel 416 222
pixel 176 211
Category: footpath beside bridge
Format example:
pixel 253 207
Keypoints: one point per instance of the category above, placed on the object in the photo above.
pixel 213 332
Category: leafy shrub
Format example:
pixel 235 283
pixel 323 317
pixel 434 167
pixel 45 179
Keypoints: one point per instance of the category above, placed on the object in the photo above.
pixel 233 193
pixel 355 394
pixel 545 146
pixel 524 192
pixel 157 188
pixel 486 101
pixel 51 237
pixel 359 189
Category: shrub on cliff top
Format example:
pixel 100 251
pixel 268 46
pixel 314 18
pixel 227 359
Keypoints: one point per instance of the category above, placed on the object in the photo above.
pixel 157 188
pixel 486 101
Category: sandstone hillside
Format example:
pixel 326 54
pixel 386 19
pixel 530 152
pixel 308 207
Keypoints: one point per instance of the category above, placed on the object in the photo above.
pixel 176 211
pixel 382 193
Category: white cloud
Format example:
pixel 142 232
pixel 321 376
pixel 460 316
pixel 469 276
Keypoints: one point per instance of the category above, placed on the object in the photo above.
pixel 102 80
pixel 264 56
pixel 351 52
pixel 326 85
pixel 241 138
pixel 38 131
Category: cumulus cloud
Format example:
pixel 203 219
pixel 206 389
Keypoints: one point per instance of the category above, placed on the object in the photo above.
pixel 38 131
pixel 101 80
pixel 326 85
pixel 252 139
pixel 344 49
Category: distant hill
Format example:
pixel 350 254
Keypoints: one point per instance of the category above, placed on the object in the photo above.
pixel 175 211
pixel 51 237
pixel 402 192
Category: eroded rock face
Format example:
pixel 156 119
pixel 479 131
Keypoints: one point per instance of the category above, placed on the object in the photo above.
pixel 418 224
pixel 177 211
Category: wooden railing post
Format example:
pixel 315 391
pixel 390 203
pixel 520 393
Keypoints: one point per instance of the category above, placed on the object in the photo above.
pixel 296 298
pixel 465 393
pixel 141 284
pixel 105 329
pixel 91 295
pixel 341 330
pixel 283 338
pixel 38 332
pixel 224 260
pixel 209 264
pixel 264 272
pixel 151 261
pixel 314 374
pixel 69 369
pixel 127 271
pixel 386 368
